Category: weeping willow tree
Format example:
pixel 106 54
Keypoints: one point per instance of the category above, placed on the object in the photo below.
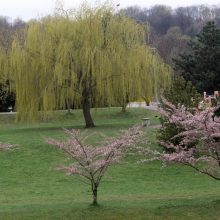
pixel 158 78
pixel 3 65
pixel 146 82
pixel 3 60
pixel 5 94
pixel 89 58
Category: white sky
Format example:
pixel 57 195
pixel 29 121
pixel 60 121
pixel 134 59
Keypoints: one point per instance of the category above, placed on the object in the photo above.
pixel 27 9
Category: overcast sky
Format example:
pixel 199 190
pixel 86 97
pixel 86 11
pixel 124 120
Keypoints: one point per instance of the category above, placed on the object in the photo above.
pixel 27 9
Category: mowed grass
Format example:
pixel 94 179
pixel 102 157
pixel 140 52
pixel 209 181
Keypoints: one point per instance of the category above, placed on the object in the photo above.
pixel 32 188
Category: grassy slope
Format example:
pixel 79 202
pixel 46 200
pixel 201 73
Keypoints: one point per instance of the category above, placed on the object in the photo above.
pixel 31 188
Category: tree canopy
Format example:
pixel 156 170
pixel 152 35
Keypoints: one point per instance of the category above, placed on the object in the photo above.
pixel 182 92
pixel 88 58
pixel 202 66
pixel 7 31
pixel 171 29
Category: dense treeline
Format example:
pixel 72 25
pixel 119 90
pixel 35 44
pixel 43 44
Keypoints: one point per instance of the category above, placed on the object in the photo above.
pixel 172 29
pixel 162 18
pixel 201 65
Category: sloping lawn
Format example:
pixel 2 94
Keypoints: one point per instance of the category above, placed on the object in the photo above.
pixel 32 188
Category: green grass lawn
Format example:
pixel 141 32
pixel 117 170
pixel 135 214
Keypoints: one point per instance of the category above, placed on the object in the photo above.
pixel 31 188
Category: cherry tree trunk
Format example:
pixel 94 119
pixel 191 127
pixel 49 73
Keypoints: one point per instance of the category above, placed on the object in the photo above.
pixel 94 192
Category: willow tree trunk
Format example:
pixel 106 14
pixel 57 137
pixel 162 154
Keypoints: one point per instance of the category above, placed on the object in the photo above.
pixel 125 103
pixel 124 106
pixel 86 109
pixel 68 108
pixel 123 109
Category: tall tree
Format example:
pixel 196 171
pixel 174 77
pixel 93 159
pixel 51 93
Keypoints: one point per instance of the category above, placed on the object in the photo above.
pixel 202 65
pixel 6 98
pixel 81 58
pixel 7 32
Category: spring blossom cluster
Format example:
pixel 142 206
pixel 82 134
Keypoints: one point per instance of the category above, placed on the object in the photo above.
pixel 199 147
pixel 92 162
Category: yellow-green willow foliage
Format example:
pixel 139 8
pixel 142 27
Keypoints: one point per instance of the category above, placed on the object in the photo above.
pixel 90 58
pixel 158 76
pixel 3 65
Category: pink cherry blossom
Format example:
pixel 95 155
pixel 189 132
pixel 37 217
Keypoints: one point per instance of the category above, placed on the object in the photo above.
pixel 199 147
pixel 92 162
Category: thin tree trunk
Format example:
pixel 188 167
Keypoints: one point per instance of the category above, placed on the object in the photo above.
pixel 68 108
pixel 123 109
pixel 86 110
pixel 147 103
pixel 95 192
pixel 68 111
pixel 124 105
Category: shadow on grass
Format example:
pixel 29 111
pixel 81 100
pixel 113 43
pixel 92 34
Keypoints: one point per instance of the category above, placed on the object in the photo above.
pixel 171 209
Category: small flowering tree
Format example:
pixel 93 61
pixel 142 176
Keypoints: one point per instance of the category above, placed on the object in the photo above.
pixel 90 162
pixel 199 147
